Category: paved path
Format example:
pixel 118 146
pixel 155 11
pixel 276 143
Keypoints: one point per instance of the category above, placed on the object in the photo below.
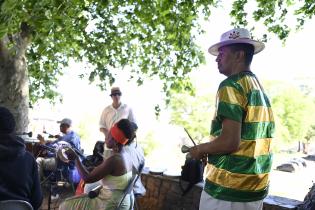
pixel 292 185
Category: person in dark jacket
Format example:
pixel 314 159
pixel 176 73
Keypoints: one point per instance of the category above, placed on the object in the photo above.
pixel 18 169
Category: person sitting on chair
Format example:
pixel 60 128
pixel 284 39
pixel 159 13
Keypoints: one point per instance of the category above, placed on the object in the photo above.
pixel 18 169
pixel 69 138
pixel 115 173
pixel 136 154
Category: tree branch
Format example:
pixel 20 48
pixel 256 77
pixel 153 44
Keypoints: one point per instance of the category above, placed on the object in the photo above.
pixel 22 39
pixel 25 30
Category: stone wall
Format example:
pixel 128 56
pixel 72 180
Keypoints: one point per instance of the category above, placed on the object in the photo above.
pixel 165 193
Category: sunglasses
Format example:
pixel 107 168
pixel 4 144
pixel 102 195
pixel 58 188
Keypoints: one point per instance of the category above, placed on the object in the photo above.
pixel 115 94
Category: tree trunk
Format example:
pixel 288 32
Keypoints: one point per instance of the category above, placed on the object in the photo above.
pixel 299 146
pixel 14 93
pixel 305 147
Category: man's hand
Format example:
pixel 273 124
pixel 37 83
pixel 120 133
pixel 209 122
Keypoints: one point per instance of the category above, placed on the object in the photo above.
pixel 41 139
pixel 71 154
pixel 104 131
pixel 196 153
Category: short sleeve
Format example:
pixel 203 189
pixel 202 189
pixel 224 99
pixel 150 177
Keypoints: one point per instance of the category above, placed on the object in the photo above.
pixel 231 103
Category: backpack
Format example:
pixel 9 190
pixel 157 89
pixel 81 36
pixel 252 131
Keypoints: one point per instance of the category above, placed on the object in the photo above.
pixel 192 172
pixel 91 161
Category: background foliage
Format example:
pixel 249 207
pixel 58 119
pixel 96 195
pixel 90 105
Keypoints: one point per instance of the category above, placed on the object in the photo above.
pixel 193 113
pixel 292 105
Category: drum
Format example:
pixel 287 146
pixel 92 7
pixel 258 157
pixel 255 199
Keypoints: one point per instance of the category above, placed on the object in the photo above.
pixel 61 154
pixel 33 146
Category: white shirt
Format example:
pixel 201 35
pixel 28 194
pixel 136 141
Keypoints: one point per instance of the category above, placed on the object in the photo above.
pixel 136 157
pixel 110 115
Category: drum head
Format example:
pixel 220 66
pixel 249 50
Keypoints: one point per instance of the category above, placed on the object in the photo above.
pixel 61 152
pixel 157 171
pixel 172 173
pixel 61 144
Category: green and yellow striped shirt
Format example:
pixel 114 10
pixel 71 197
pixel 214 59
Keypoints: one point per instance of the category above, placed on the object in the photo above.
pixel 242 176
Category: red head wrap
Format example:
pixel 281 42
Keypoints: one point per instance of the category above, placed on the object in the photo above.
pixel 118 135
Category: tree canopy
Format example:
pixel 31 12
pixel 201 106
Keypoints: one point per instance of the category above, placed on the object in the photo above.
pixel 153 38
pixel 293 109
pixel 193 113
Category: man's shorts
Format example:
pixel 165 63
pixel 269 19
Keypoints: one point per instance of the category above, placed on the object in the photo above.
pixel 207 202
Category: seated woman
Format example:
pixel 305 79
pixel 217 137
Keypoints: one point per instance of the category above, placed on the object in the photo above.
pixel 114 172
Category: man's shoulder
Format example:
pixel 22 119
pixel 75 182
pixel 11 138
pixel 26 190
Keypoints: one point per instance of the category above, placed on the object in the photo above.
pixel 228 82
pixel 75 134
pixel 107 108
pixel 29 155
pixel 235 82
pixel 70 135
pixel 124 106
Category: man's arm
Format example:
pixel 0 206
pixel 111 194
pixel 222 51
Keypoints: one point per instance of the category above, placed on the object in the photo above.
pixel 226 143
pixel 41 139
pixel 105 168
pixel 102 123
pixel 104 131
pixel 73 139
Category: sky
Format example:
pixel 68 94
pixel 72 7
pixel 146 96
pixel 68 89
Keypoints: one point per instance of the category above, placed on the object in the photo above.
pixel 293 59
pixel 84 102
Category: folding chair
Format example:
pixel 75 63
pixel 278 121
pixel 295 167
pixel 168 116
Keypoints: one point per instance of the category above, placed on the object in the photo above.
pixel 15 205
pixel 129 188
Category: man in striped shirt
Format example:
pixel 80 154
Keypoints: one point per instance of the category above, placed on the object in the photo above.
pixel 239 155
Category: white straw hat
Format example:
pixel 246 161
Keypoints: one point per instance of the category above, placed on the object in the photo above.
pixel 234 36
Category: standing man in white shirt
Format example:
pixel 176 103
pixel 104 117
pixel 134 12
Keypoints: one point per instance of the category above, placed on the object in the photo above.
pixel 110 115
pixel 115 112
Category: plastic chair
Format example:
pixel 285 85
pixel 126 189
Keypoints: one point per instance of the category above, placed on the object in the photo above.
pixel 129 188
pixel 15 205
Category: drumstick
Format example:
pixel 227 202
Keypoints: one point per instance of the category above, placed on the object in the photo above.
pixel 190 137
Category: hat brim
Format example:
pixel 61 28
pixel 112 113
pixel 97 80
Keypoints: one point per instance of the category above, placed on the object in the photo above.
pixel 65 123
pixel 258 46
